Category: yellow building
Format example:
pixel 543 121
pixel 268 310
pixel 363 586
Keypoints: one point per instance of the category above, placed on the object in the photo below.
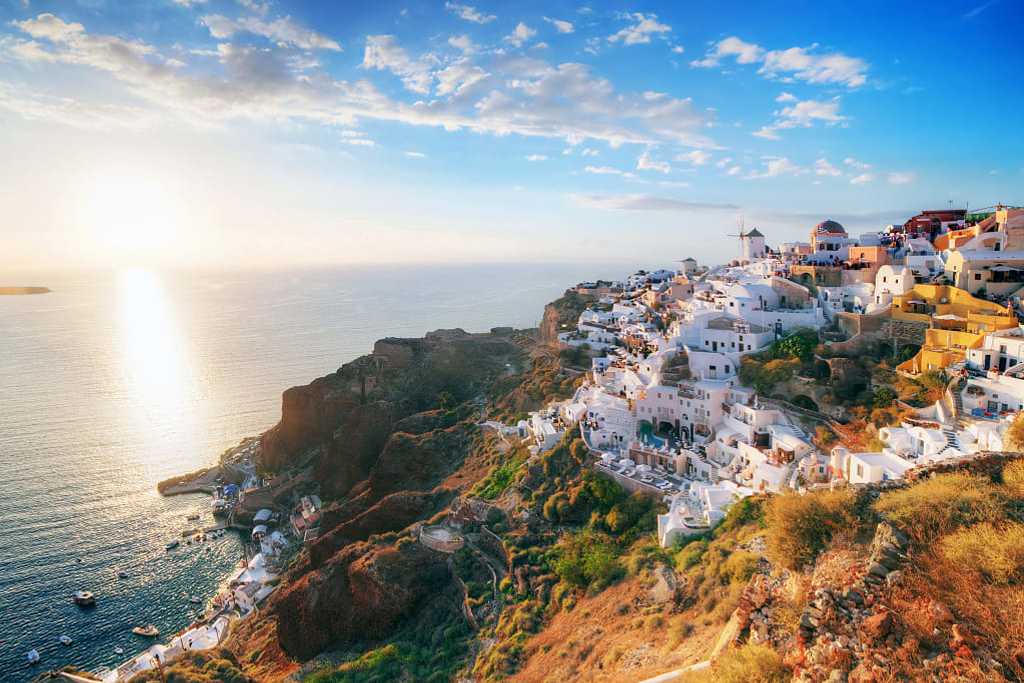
pixel 958 322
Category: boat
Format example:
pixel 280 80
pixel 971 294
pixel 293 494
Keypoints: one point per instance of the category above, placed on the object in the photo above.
pixel 84 599
pixel 118 650
pixel 173 544
pixel 122 574
pixel 195 600
pixel 193 518
pixel 148 631
pixel 33 656
pixel 65 640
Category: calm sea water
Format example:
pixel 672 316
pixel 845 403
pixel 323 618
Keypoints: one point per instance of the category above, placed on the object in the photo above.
pixel 117 380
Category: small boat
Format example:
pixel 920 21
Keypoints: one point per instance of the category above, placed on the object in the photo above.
pixel 193 518
pixel 118 650
pixel 84 599
pixel 33 656
pixel 65 640
pixel 122 574
pixel 148 631
pixel 173 544
pixel 195 600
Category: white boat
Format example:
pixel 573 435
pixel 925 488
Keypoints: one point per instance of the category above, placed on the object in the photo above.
pixel 118 650
pixel 65 640
pixel 84 599
pixel 33 657
pixel 149 631
pixel 195 600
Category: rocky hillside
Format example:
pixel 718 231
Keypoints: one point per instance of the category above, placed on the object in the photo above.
pixel 556 574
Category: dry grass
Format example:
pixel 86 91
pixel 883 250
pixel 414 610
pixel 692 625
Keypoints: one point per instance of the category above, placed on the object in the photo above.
pixel 801 526
pixel 942 504
pixel 995 551
pixel 747 664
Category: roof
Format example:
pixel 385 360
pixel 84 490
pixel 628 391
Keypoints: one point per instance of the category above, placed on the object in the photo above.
pixel 830 226
pixel 754 233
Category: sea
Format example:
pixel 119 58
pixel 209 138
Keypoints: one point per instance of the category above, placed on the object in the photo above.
pixel 117 380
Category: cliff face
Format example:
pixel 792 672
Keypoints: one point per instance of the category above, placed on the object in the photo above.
pixel 358 595
pixel 561 315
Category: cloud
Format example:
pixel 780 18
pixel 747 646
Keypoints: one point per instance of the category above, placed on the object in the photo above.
pixel 979 9
pixel 853 163
pixel 536 157
pixel 646 163
pixel 464 43
pixel 607 170
pixel 283 31
pixel 795 63
pixel 674 183
pixel 786 97
pixel 823 168
pixel 560 25
pixel 459 78
pixel 734 170
pixel 32 105
pixel 641 30
pixel 697 157
pixel 589 152
pixel 766 132
pixel 384 53
pixel 862 178
pixel 182 3
pixel 524 96
pixel 469 13
pixel 415 155
pixel 775 167
pixel 745 53
pixel 254 6
pixel 678 49
pixel 520 35
pixel 900 178
pixel 643 202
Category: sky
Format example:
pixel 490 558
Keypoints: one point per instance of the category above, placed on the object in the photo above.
pixel 264 133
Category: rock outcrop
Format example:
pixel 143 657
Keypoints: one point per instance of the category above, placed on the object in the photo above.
pixel 361 593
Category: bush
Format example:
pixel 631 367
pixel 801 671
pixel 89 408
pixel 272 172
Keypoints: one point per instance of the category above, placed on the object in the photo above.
pixel 1013 477
pixel 801 526
pixel 997 552
pixel 740 566
pixel 747 664
pixel 1014 439
pixel 587 559
pixel 882 397
pixel 824 435
pixel 691 554
pixel 942 504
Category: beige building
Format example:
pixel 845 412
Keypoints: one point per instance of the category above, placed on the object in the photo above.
pixel 993 273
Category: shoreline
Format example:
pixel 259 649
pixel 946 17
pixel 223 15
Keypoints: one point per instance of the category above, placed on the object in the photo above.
pixel 23 291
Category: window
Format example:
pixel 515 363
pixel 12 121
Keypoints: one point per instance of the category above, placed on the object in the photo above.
pixel 860 470
pixel 977 276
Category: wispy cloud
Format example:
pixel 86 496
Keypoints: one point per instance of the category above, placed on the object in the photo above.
pixel 469 13
pixel 641 29
pixel 644 202
pixel 790 64
pixel 979 9
pixel 520 34
pixel 561 25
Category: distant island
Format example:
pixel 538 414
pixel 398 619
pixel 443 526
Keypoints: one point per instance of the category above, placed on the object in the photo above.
pixel 12 291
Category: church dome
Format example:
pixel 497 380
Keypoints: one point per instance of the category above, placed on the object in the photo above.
pixel 830 227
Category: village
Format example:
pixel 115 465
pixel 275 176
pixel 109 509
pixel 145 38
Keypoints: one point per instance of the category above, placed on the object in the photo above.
pixel 664 413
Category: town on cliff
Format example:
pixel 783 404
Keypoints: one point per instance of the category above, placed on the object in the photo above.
pixel 801 465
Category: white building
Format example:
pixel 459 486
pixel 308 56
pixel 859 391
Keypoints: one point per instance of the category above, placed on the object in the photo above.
pixel 751 245
pixel 890 281
pixel 697 510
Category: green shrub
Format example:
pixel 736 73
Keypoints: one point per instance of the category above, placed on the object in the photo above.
pixel 942 504
pixel 691 554
pixel 801 526
pixel 740 566
pixel 587 559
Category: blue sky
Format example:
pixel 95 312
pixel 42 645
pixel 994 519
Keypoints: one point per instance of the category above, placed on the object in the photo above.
pixel 263 132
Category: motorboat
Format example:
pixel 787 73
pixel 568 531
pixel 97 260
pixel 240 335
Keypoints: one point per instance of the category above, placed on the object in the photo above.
pixel 149 631
pixel 84 599
pixel 195 600
pixel 65 640
pixel 122 574
pixel 118 650
pixel 33 656
pixel 193 518
pixel 173 544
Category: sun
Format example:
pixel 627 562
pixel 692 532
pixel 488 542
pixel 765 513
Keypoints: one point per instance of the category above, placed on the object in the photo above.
pixel 128 215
